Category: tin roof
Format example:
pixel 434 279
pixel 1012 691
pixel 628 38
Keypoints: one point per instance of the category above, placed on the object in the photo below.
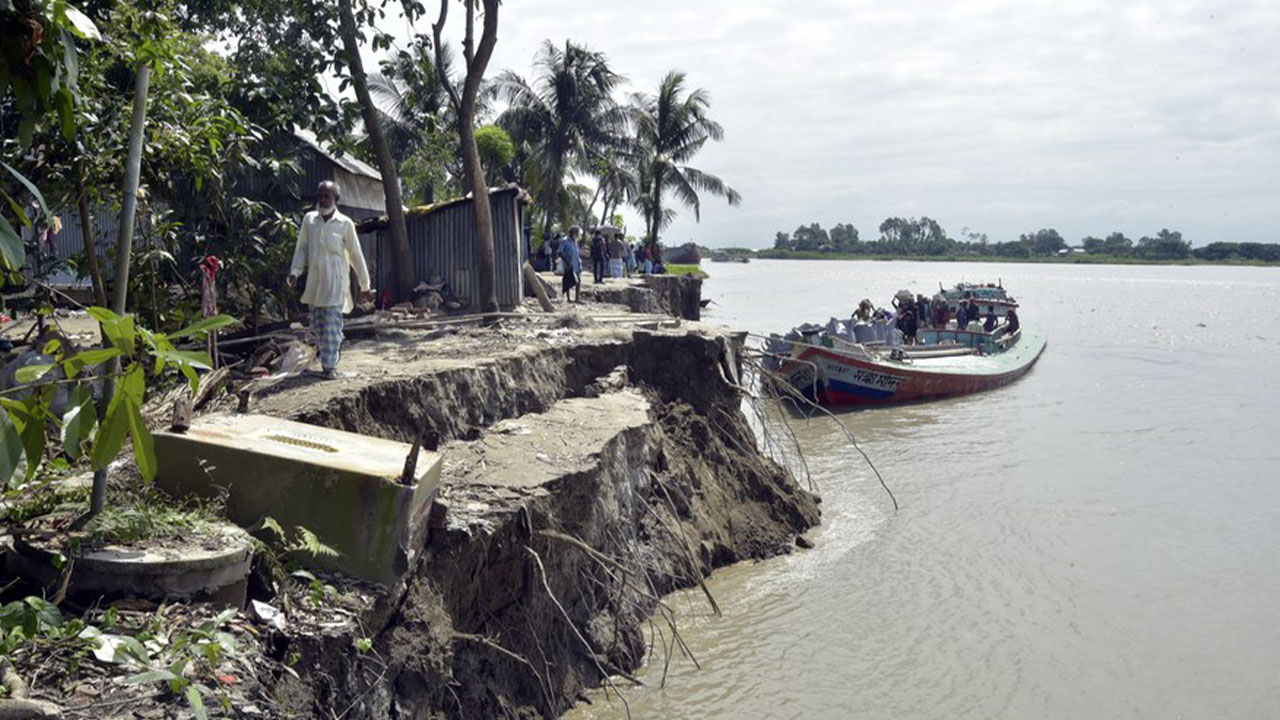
pixel 347 162
pixel 380 222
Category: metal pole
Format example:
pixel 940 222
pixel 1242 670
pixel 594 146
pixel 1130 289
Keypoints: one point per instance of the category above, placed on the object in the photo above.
pixel 124 247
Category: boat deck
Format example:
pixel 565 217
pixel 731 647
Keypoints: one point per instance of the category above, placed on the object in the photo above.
pixel 1027 349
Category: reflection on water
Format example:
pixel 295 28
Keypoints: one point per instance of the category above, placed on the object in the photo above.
pixel 1097 540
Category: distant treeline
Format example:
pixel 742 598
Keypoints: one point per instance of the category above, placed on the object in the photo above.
pixel 924 237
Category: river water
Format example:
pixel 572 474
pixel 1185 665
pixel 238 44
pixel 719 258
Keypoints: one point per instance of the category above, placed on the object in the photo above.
pixel 1100 539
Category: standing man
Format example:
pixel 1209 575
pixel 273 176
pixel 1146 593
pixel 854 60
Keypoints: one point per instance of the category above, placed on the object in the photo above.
pixel 546 255
pixel 572 277
pixel 617 253
pixel 327 250
pixel 599 256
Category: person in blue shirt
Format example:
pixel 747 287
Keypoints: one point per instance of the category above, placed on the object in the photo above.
pixel 962 315
pixel 572 278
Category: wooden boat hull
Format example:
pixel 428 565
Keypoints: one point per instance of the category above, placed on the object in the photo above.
pixel 836 379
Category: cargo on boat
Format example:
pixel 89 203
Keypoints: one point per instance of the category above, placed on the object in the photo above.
pixel 886 357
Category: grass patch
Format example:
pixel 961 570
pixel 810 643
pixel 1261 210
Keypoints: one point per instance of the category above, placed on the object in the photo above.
pixel 692 270
pixel 148 514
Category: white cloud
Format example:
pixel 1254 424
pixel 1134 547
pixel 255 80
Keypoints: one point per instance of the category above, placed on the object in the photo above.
pixel 1000 115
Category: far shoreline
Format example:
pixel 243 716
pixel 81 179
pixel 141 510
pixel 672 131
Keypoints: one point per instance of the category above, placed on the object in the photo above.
pixel 1074 259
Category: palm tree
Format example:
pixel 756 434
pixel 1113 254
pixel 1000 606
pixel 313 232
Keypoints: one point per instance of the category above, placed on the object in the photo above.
pixel 562 119
pixel 414 107
pixel 616 183
pixel 671 127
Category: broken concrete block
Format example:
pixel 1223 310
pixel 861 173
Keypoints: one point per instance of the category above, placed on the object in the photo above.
pixel 342 486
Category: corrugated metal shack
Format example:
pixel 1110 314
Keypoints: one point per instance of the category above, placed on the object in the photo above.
pixel 362 198
pixel 442 240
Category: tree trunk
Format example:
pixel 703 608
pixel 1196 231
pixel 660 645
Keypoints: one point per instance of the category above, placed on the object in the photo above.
pixel 88 233
pixel 484 244
pixel 399 234
pixel 657 201
pixel 591 208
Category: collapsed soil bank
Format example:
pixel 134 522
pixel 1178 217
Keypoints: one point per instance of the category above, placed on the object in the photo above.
pixel 676 295
pixel 635 447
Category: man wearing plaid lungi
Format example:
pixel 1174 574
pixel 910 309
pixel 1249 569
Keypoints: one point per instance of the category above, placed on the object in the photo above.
pixel 327 249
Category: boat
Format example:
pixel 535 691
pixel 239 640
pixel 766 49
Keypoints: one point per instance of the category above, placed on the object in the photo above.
pixel 993 295
pixel 846 364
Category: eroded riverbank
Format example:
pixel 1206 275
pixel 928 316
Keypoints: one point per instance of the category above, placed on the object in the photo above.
pixel 593 460
pixel 588 471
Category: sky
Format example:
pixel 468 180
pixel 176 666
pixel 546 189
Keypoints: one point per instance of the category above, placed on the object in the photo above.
pixel 1002 117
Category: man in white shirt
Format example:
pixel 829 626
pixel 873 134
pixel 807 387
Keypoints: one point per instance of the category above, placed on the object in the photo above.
pixel 327 249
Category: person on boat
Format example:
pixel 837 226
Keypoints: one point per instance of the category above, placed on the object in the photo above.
pixel 975 324
pixel 991 320
pixel 941 313
pixel 962 315
pixel 1011 321
pixel 923 313
pixel 864 311
pixel 908 323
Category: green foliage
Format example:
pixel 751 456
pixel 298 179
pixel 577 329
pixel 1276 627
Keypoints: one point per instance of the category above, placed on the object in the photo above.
pixel 147 515
pixel 496 152
pixel 12 251
pixel 318 592
pixel 691 270
pixel 34 620
pixel 1166 245
pixel 1245 251
pixel 420 124
pixel 39 72
pixel 185 660
pixel 24 426
pixel 46 495
pixel 301 539
pixel 560 120
pixel 671 128
pixel 1045 241
pixel 39 65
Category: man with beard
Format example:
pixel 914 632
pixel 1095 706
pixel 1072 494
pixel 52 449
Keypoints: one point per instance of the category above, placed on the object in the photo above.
pixel 327 250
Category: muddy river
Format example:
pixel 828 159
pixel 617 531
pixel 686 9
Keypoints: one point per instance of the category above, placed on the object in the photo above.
pixel 1099 540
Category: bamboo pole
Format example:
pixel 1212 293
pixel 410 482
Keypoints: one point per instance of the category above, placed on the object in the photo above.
pixel 124 246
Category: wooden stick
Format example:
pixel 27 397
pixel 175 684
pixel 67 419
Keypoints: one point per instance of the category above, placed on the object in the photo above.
pixel 531 278
pixel 209 386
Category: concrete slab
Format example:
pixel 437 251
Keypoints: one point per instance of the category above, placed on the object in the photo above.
pixel 212 568
pixel 341 486
pixel 532 450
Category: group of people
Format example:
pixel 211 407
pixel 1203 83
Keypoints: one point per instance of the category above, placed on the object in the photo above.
pixel 911 315
pixel 328 250
pixel 610 257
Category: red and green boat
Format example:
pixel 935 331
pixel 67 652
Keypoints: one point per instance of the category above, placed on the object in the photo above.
pixel 830 368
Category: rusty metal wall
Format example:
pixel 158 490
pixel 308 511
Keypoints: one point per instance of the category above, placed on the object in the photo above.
pixel 442 243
